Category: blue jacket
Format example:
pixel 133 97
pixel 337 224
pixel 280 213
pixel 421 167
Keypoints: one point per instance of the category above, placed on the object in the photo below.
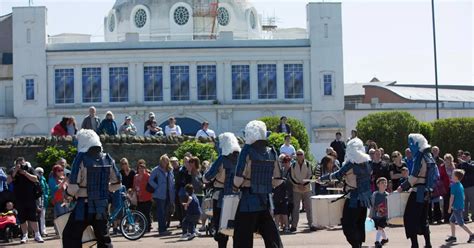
pixel 158 182
pixel 108 127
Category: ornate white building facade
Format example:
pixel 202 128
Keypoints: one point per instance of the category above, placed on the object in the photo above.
pixel 175 59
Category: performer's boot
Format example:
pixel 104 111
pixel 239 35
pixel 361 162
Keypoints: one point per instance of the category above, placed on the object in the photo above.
pixel 414 241
pixel 427 239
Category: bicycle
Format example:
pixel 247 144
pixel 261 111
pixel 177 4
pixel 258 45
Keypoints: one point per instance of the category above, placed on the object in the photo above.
pixel 133 223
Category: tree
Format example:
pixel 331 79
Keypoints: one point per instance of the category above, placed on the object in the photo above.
pixel 48 158
pixel 204 151
pixel 298 130
pixel 388 129
pixel 453 134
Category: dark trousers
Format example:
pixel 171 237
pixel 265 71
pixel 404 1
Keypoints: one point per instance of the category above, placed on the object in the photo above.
pixel 178 209
pixel 446 215
pixel 434 212
pixel 246 223
pixel 353 224
pixel 415 220
pixel 216 220
pixel 145 209
pixel 190 222
pixel 72 233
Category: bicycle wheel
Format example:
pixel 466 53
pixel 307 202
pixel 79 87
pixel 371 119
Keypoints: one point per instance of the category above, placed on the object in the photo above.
pixel 133 225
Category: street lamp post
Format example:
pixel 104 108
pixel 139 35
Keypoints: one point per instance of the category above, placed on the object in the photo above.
pixel 435 58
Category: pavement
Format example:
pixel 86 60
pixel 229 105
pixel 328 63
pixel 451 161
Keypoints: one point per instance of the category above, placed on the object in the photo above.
pixel 302 238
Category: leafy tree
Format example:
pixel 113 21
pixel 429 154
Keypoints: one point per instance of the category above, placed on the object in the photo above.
pixel 204 151
pixel 298 130
pixel 48 158
pixel 388 129
pixel 453 134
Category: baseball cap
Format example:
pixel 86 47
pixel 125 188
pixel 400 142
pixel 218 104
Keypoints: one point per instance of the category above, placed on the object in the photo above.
pixel 151 114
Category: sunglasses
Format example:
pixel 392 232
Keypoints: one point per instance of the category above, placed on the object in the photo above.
pixel 299 154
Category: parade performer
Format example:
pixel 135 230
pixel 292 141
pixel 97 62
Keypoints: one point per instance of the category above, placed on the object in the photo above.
pixel 421 181
pixel 256 174
pixel 356 172
pixel 222 173
pixel 93 176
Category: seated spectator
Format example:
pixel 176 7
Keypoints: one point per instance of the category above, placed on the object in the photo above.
pixel 91 121
pixel 205 131
pixel 287 148
pixel 60 129
pixel 71 126
pixel 153 130
pixel 151 118
pixel 172 129
pixel 8 216
pixel 283 127
pixel 128 128
pixel 108 125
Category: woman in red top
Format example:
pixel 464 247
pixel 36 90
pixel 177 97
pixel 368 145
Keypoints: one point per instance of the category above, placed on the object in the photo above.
pixel 143 197
pixel 60 129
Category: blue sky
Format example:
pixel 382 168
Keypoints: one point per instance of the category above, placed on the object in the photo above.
pixel 387 39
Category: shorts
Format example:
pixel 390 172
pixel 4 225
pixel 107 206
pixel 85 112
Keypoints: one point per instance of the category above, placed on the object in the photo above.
pixel 380 222
pixel 457 217
pixel 27 211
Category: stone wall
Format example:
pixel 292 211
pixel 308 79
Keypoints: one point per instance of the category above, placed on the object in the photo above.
pixel 131 147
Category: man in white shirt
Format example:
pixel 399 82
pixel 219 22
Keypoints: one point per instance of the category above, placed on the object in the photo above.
pixel 287 148
pixel 205 131
pixel 172 129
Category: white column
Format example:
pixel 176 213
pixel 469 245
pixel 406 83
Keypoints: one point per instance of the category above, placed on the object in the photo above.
pixel 139 84
pixel 280 81
pixel 227 81
pixel 132 80
pixel 77 85
pixel 104 68
pixel 50 83
pixel 193 82
pixel 166 83
pixel 307 85
pixel 253 82
pixel 221 81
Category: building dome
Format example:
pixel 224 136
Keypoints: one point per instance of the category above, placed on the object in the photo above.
pixel 181 19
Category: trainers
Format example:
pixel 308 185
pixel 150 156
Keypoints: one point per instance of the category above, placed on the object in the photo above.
pixel 451 239
pixel 286 230
pixel 293 229
pixel 184 237
pixel 24 239
pixel 378 244
pixel 165 233
pixel 191 236
pixel 313 228
pixel 471 238
pixel 384 241
pixel 39 239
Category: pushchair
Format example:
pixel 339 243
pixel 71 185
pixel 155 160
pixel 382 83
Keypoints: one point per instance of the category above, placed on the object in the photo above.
pixel 9 229
pixel 207 210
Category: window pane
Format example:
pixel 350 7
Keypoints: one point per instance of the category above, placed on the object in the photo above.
pixel 206 75
pixel 153 78
pixel 30 89
pixel 240 82
pixel 327 84
pixel 293 81
pixel 91 85
pixel 64 85
pixel 267 88
pixel 118 79
pixel 179 83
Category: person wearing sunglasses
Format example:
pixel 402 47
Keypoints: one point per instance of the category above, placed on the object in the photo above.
pixel 57 184
pixel 396 169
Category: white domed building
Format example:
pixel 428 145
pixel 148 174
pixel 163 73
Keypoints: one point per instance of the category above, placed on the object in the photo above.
pixel 181 20
pixel 195 60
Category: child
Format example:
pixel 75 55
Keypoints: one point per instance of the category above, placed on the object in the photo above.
pixel 193 213
pixel 379 211
pixel 456 207
pixel 405 174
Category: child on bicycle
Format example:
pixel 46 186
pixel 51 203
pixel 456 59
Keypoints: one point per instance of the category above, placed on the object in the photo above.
pixel 193 213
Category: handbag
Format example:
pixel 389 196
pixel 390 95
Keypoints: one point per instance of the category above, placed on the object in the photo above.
pixel 132 195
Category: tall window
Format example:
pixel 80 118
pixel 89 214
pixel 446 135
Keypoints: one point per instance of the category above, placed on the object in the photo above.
pixel 179 83
pixel 206 76
pixel 267 85
pixel 327 82
pixel 64 85
pixel 153 78
pixel 30 89
pixel 91 84
pixel 293 81
pixel 118 84
pixel 240 82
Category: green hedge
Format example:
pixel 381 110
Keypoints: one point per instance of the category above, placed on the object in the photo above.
pixel 427 129
pixel 453 134
pixel 48 158
pixel 388 129
pixel 298 130
pixel 204 151
pixel 277 139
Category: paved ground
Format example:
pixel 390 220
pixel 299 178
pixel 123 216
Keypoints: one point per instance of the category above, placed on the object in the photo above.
pixel 324 238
